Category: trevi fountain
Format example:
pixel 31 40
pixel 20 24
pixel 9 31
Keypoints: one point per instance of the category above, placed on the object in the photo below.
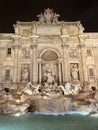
pixel 48 66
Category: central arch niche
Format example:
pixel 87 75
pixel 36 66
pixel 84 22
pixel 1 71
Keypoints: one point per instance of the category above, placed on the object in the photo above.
pixel 50 63
pixel 49 55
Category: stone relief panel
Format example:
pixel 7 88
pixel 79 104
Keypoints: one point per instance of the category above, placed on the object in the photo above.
pixel 81 28
pixel 49 30
pixel 49 40
pixel 26 32
pixel 25 53
pixel 74 71
pixel 25 72
pixel 73 30
pixel 73 52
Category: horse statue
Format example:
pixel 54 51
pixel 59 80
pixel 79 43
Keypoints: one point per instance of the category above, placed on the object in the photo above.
pixel 30 89
pixel 70 88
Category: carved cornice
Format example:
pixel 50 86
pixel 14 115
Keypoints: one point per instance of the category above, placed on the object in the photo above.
pixel 16 37
pixel 34 36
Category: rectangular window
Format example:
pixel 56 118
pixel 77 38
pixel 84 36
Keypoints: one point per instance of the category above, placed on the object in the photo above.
pixel 9 51
pixel 91 72
pixel 89 53
pixel 7 73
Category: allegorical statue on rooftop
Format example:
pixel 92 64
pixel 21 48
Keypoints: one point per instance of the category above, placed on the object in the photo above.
pixel 48 17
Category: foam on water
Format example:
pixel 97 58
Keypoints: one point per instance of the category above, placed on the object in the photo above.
pixel 62 113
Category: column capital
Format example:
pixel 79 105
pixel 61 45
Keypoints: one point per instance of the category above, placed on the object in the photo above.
pixel 65 46
pixel 2 48
pixel 60 60
pixel 16 46
pixel 39 60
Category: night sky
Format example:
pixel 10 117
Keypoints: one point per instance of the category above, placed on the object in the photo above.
pixel 70 10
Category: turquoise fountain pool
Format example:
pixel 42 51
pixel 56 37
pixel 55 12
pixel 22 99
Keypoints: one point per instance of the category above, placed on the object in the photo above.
pixel 33 121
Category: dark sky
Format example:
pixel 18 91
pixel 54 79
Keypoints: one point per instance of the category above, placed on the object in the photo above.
pixel 70 10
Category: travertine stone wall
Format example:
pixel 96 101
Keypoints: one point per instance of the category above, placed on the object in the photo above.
pixel 32 39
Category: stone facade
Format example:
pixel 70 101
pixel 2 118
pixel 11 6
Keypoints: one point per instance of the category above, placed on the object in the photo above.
pixel 48 45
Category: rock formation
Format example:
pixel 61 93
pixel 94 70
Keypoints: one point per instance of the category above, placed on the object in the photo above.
pixel 42 99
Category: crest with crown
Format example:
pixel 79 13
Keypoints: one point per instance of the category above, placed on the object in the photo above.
pixel 48 17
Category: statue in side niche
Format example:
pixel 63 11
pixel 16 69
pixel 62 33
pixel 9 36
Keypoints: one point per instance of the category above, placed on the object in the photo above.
pixel 25 74
pixel 75 72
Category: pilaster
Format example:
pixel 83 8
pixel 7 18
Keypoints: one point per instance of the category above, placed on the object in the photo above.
pixel 34 64
pixel 65 63
pixel 16 47
pixel 83 66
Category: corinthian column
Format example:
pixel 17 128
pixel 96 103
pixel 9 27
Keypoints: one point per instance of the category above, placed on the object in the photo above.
pixel 39 71
pixel 16 48
pixel 83 66
pixel 65 67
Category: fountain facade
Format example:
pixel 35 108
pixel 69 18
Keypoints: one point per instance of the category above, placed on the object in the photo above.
pixel 49 63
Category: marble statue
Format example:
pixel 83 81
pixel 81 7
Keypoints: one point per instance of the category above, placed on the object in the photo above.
pixel 75 72
pixel 55 18
pixel 41 18
pixel 31 89
pixel 66 89
pixel 35 88
pixel 48 14
pixel 49 77
pixel 25 74
pixel 70 88
pixel 48 17
pixel 81 29
pixel 77 88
